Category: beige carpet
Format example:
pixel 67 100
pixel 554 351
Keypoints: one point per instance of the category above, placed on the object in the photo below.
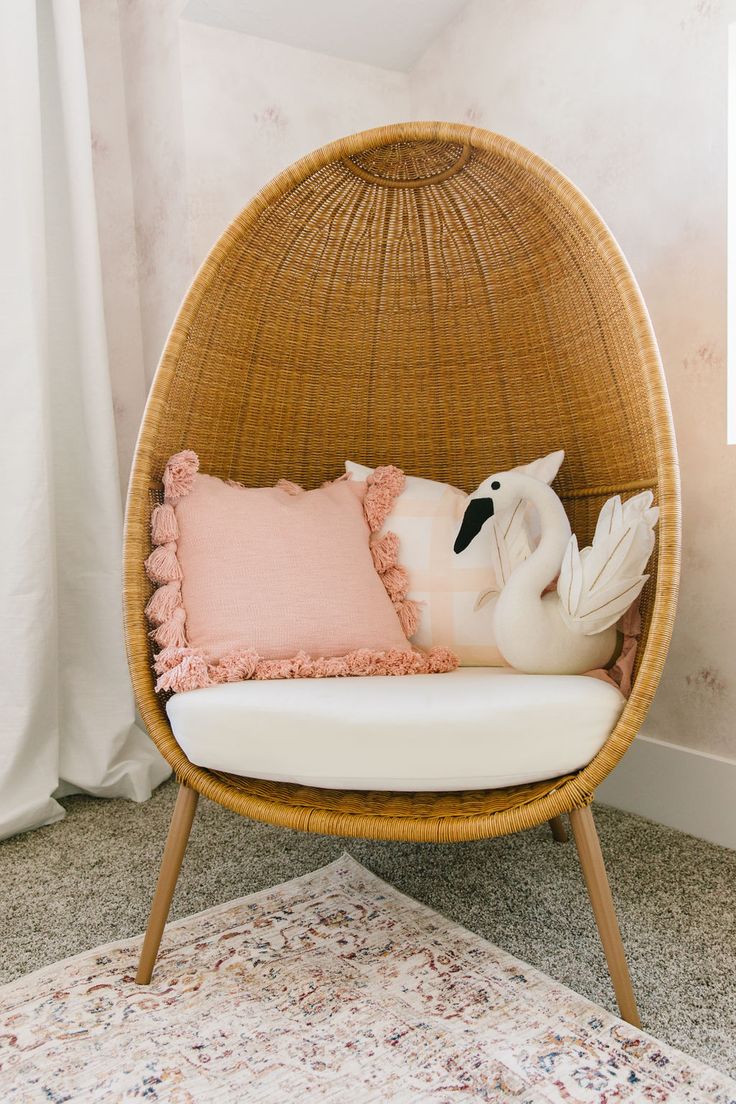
pixel 88 880
pixel 331 987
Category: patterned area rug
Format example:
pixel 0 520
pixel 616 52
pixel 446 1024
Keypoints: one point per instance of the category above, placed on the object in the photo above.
pixel 332 987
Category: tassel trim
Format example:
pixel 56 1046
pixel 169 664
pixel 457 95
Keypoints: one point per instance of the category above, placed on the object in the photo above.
pixel 165 609
pixel 182 669
pixel 179 473
pixel 287 487
pixel 409 614
pixel 171 634
pixel 162 565
pixel 163 602
pixel 384 486
pixel 164 527
pixel 385 551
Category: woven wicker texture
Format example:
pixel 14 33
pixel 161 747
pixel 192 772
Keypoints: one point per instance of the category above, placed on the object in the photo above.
pixel 437 297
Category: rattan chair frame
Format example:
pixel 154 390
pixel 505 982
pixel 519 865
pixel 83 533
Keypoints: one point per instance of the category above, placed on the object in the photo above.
pixel 171 417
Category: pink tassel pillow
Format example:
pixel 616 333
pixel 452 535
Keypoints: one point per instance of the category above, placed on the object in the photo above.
pixel 279 582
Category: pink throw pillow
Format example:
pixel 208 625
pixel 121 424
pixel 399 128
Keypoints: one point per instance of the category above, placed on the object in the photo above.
pixel 278 582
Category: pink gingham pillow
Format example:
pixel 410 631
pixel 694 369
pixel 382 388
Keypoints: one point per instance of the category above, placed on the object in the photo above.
pixel 446 585
pixel 278 582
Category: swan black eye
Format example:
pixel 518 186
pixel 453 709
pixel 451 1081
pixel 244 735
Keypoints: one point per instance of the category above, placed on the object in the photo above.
pixel 495 485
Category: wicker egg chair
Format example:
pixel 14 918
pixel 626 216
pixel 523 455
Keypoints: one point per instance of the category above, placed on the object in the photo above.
pixel 435 296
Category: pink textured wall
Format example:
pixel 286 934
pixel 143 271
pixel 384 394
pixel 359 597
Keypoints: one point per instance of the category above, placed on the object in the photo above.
pixel 627 98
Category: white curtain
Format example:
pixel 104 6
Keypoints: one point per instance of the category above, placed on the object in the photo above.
pixel 66 708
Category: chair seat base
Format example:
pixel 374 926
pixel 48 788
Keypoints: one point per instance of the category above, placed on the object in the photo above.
pixel 377 814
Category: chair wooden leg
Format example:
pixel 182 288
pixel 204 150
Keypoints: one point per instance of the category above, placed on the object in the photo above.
pixel 176 845
pixel 559 831
pixel 599 891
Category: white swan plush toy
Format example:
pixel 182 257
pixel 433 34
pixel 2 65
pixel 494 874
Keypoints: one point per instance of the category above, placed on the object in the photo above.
pixel 571 629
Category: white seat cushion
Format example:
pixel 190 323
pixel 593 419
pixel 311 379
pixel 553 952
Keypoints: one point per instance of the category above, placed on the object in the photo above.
pixel 475 728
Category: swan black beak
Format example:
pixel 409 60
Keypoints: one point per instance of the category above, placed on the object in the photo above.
pixel 477 513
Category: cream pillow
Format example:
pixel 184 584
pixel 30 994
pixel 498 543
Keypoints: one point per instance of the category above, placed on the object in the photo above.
pixel 426 517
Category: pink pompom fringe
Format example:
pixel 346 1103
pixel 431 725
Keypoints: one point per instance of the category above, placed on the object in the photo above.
pixel 162 565
pixel 396 581
pixel 409 614
pixel 288 487
pixel 162 603
pixel 182 669
pixel 385 551
pixel 164 528
pixel 384 485
pixel 169 658
pixel 190 673
pixel 171 633
pixel 179 473
pixel 165 609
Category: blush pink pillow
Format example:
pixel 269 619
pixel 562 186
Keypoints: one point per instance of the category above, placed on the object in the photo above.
pixel 278 582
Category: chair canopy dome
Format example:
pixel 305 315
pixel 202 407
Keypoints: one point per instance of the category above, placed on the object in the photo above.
pixel 429 295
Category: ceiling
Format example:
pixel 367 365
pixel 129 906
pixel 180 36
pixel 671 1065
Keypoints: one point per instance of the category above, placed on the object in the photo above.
pixel 390 34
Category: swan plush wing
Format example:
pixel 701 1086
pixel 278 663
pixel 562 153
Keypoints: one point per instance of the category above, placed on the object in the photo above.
pixel 514 536
pixel 598 584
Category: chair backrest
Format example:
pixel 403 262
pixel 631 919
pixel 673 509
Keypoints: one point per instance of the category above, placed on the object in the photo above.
pixel 429 295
